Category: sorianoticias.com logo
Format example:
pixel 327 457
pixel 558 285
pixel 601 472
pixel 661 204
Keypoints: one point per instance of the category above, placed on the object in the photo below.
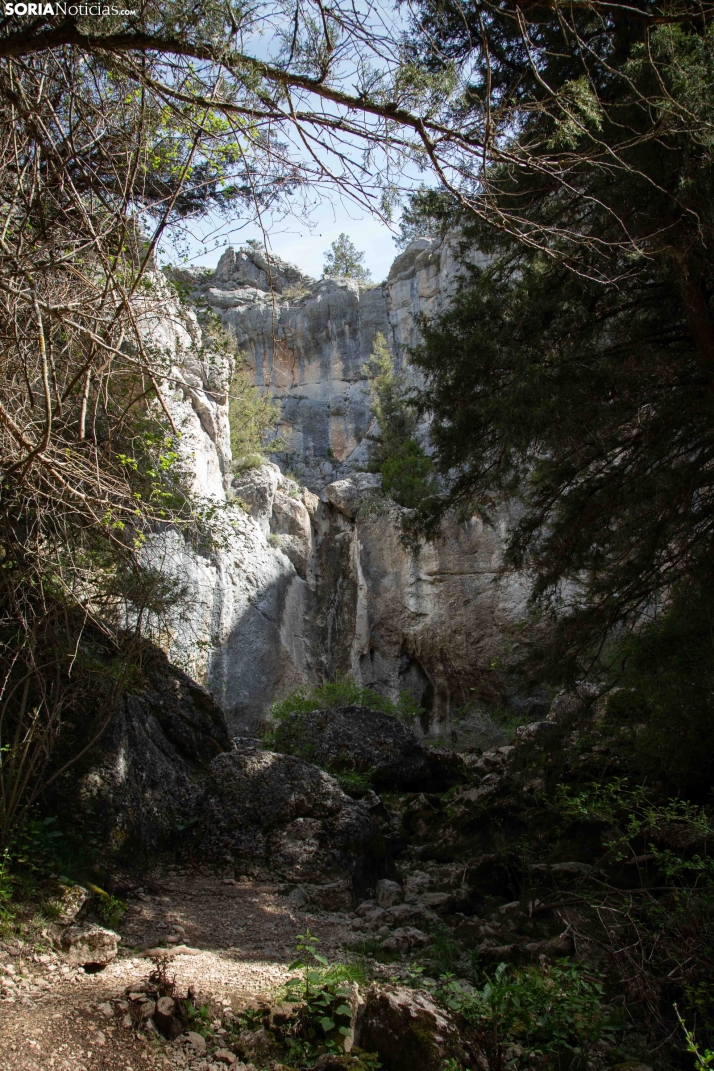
pixel 65 9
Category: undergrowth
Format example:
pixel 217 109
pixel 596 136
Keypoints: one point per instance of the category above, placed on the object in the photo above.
pixel 341 693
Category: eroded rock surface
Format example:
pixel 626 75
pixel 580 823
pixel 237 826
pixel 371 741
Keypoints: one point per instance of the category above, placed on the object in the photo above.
pixel 284 813
pixel 89 946
pixel 145 775
pixel 292 583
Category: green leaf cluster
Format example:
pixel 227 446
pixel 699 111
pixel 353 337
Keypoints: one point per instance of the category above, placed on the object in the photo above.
pixel 550 1015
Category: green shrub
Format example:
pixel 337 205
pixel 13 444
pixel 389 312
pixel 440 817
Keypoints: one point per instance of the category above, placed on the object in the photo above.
pixel 322 1019
pixel 663 714
pixel 252 415
pixel 344 693
pixel 353 783
pixel 110 909
pixel 444 949
pixel 286 734
pixel 552 1011
pixel 407 474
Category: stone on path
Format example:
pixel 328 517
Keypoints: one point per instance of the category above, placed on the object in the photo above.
pixel 89 946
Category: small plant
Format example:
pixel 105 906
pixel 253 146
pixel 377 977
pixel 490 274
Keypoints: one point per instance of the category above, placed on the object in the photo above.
pixel 444 949
pixel 323 1019
pixel 110 909
pixel 703 1061
pixel 199 1018
pixel 275 541
pixel 354 783
pixel 306 960
pixel 6 915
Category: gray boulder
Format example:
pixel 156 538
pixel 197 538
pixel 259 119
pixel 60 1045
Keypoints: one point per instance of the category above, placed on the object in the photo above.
pixel 389 893
pixel 347 495
pixel 143 779
pixel 283 813
pixel 89 946
pixel 378 746
pixel 408 1030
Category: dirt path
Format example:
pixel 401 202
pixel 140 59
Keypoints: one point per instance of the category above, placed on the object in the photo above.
pixel 241 937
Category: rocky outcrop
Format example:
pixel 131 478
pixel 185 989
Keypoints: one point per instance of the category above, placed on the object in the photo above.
pixel 377 746
pixel 283 813
pixel 430 622
pixel 308 342
pixel 89 946
pixel 145 777
pixel 166 776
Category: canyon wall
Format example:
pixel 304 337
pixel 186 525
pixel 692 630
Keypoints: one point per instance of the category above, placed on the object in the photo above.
pixel 301 576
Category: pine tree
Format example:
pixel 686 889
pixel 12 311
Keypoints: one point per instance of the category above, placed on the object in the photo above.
pixel 344 259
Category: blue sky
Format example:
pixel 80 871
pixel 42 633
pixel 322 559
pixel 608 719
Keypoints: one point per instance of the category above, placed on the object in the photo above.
pixel 301 243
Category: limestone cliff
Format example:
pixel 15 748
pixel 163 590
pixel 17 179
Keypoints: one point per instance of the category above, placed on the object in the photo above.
pixel 308 341
pixel 308 581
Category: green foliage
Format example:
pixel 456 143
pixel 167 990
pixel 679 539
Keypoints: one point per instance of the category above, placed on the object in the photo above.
pixel 407 471
pixel 353 782
pixel 662 714
pixel 323 1020
pixel 428 214
pixel 252 415
pixel 660 847
pixel 343 259
pixel 444 949
pixel 110 908
pixel 199 1018
pixel 6 914
pixel 576 375
pixel 551 1015
pixel 407 475
pixel 634 821
pixel 703 1061
pixel 343 693
pixel 285 731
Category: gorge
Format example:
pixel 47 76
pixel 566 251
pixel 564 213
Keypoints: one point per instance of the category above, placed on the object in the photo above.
pixel 309 580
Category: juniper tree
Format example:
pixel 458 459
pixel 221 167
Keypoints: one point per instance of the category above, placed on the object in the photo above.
pixel 575 370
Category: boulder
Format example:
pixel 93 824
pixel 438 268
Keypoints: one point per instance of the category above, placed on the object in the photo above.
pixel 144 777
pixel 346 495
pixel 379 746
pixel 67 901
pixel 284 813
pixel 388 892
pixel 89 946
pixel 408 1030
pixel 257 488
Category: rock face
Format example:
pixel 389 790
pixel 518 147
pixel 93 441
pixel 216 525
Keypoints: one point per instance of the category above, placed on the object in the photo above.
pixel 166 776
pixel 408 1030
pixel 292 584
pixel 310 340
pixel 358 740
pixel 430 623
pixel 281 812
